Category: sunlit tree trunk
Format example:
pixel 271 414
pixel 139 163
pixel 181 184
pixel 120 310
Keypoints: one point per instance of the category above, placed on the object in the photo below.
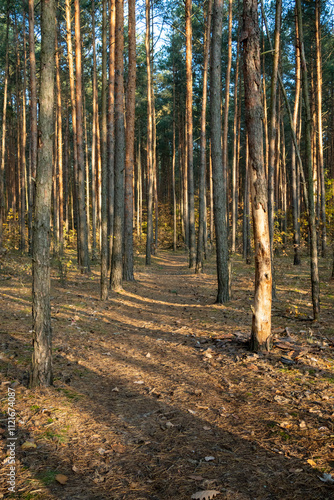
pixel 116 265
pixel 149 169
pixel 320 133
pixel 226 108
pixel 82 230
pixel 94 136
pixel 189 127
pixel 3 134
pixel 219 192
pixel 111 128
pixel 273 129
pixel 261 322
pixel 130 145
pixel 41 372
pixel 246 211
pixel 104 161
pixel 235 152
pixel 202 179
pixel 294 170
pixel 59 151
pixel 75 208
pixel 308 125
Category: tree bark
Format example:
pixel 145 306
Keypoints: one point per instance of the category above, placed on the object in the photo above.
pixel 41 370
pixel 111 128
pixel 117 256
pixel 219 192
pixel 149 236
pixel 235 153
pixel 189 127
pixel 130 145
pixel 59 151
pixel 202 179
pixel 75 208
pixel 82 229
pixel 104 161
pixel 273 131
pixel 320 132
pixel 3 135
pixel 261 322
pixel 312 227
pixel 295 192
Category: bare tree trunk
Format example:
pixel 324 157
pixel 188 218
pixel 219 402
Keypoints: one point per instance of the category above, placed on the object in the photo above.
pixel 130 145
pixel 149 241
pixel 246 211
pixel 189 127
pixel 234 164
pixel 202 179
pixel 226 109
pixel 60 150
pixel 312 227
pixel 116 265
pixel 173 167
pixel 295 192
pixel 261 323
pixel 320 134
pixel 219 192
pixel 94 136
pixel 111 128
pixel 75 208
pixel 273 131
pixel 3 135
pixel 41 370
pixel 104 161
pixel 82 230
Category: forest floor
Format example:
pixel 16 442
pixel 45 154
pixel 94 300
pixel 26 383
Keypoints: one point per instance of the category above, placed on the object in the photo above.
pixel 156 395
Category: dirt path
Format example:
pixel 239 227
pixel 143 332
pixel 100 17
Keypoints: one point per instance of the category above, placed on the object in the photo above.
pixel 156 396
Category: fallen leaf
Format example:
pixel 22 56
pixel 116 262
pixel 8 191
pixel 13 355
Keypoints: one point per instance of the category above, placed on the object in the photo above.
pixel 196 478
pixel 205 495
pixel 209 459
pixel 28 445
pixel 60 478
pixel 311 462
pixel 139 382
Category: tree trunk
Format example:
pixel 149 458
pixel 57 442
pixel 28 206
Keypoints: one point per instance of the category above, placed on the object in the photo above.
pixel 104 161
pixel 246 211
pixel 173 166
pixel 111 128
pixel 74 122
pixel 202 183
pixel 82 229
pixel 226 109
pixel 59 150
pixel 3 135
pixel 94 135
pixel 320 134
pixel 219 192
pixel 295 192
pixel 189 127
pixel 308 124
pixel 261 323
pixel 116 266
pixel 273 131
pixel 130 145
pixel 234 164
pixel 149 236
pixel 41 372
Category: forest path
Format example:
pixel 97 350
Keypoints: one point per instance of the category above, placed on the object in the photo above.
pixel 156 396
